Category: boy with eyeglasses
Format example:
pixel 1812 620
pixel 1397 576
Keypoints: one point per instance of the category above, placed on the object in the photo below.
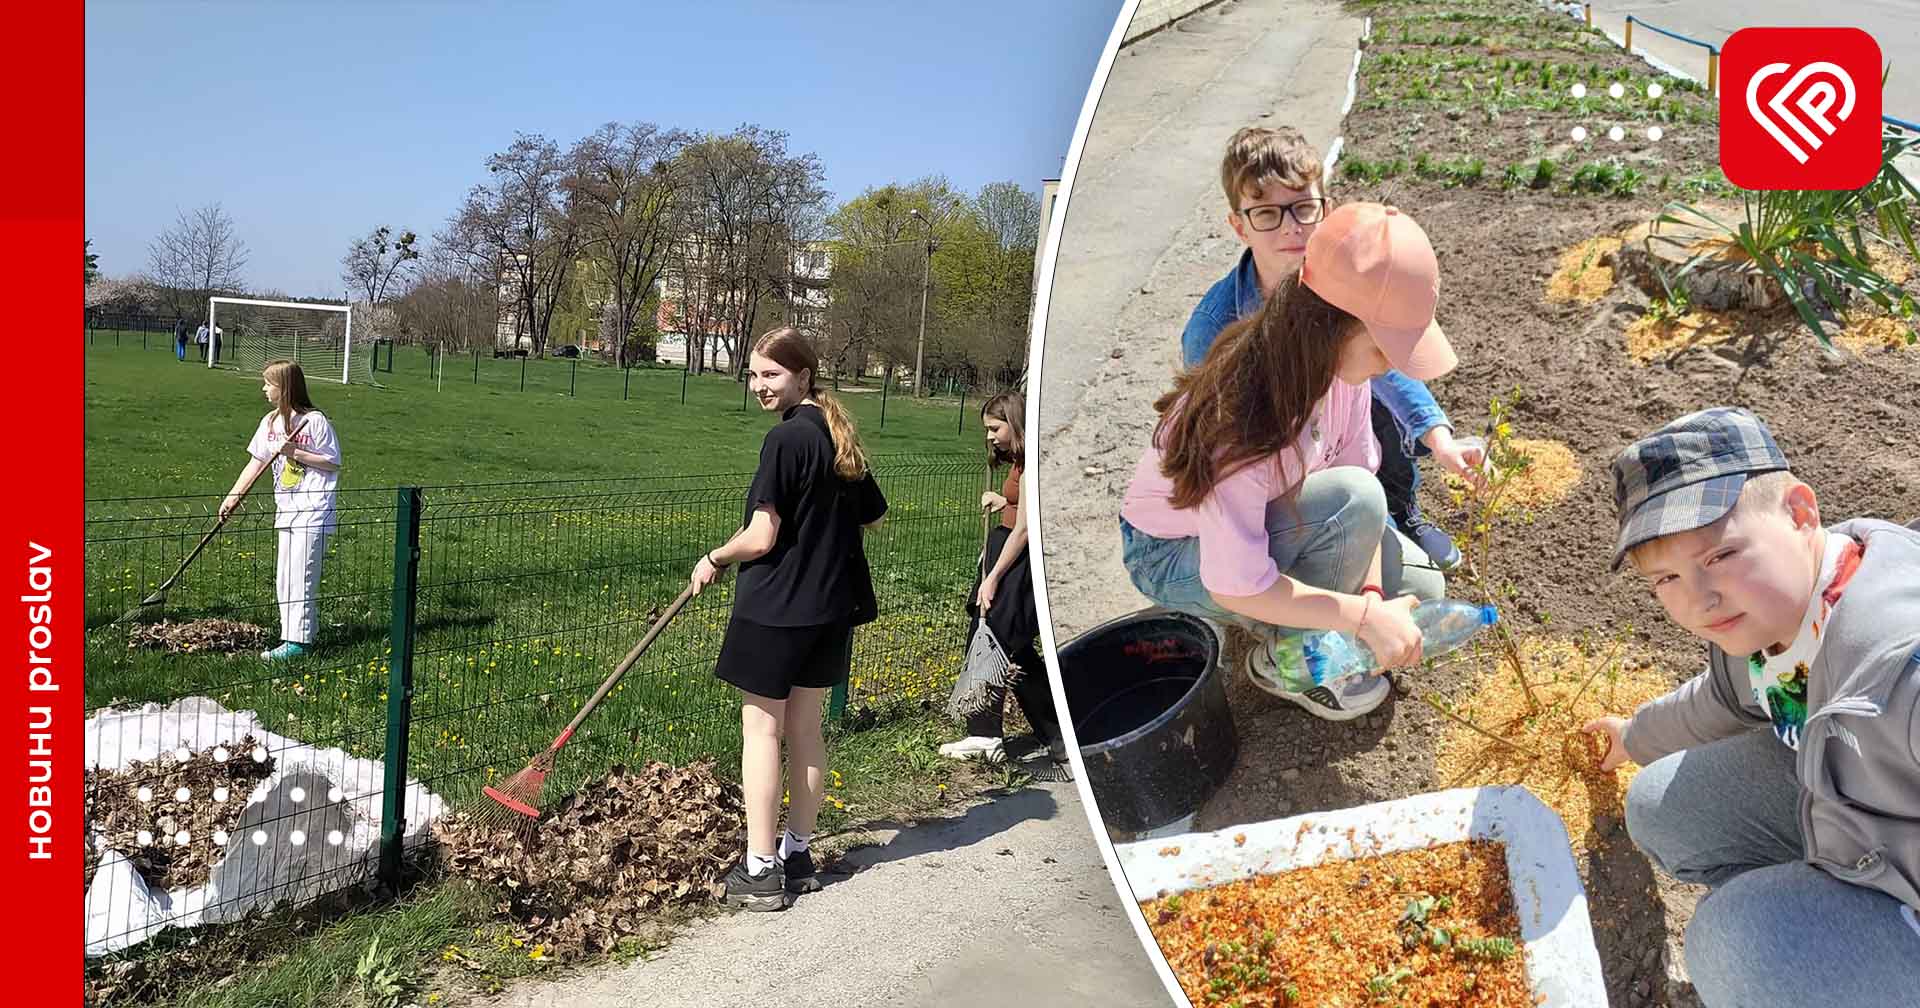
pixel 1275 198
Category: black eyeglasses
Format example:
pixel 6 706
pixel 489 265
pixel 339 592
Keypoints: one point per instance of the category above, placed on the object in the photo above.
pixel 1268 216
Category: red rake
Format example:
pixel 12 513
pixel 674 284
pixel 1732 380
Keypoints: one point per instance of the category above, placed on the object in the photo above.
pixel 515 804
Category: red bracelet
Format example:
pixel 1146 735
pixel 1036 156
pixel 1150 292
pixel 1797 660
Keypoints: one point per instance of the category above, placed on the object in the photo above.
pixel 1376 589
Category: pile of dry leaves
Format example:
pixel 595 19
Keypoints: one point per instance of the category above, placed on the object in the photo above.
pixel 211 635
pixel 198 796
pixel 606 858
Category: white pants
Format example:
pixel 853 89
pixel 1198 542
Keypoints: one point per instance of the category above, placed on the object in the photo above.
pixel 297 582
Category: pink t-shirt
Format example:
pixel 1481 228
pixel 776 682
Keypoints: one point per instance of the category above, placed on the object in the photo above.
pixel 1231 523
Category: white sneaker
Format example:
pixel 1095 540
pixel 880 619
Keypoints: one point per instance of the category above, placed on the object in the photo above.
pixel 1344 702
pixel 989 749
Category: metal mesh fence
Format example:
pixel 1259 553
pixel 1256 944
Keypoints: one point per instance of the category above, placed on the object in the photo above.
pixel 523 597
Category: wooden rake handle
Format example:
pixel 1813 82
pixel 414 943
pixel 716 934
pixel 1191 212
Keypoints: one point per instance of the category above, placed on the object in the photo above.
pixel 625 664
pixel 219 522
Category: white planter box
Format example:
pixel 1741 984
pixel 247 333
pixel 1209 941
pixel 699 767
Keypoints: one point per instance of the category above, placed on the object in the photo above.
pixel 1562 963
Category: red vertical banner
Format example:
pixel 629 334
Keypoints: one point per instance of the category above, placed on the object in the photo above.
pixel 41 510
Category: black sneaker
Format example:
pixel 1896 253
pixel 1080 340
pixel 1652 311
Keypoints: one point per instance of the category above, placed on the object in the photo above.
pixel 801 877
pixel 765 891
pixel 1434 541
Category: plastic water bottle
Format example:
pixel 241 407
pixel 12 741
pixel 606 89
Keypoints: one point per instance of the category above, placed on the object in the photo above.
pixel 1329 657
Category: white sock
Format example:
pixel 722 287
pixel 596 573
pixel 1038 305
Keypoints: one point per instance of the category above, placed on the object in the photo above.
pixel 791 844
pixel 758 864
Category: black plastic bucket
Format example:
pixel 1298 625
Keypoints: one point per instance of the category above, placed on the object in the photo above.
pixel 1150 712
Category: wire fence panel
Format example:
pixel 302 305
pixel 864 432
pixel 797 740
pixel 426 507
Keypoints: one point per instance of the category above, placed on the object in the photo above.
pixel 526 595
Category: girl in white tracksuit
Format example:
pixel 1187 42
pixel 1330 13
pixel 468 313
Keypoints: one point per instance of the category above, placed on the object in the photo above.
pixel 306 469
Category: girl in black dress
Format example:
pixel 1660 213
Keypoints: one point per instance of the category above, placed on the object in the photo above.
pixel 804 585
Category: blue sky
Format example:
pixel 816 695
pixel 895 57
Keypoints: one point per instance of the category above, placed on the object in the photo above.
pixel 314 122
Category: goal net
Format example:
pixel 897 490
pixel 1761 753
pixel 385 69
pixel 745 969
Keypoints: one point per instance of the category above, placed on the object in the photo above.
pixel 318 337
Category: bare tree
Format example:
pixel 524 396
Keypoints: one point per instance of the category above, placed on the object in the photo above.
pixel 522 229
pixel 754 202
pixel 625 184
pixel 448 303
pixel 199 256
pixel 1011 214
pixel 373 264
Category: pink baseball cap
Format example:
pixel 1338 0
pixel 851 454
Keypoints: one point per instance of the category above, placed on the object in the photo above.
pixel 1374 263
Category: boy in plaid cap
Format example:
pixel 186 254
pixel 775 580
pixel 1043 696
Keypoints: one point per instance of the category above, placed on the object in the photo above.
pixel 1787 775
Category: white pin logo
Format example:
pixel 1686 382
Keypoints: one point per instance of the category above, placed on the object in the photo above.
pixel 1814 102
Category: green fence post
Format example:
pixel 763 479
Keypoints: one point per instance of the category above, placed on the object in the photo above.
pixel 523 374
pixel 684 371
pixel 626 379
pixel 962 429
pixel 406 584
pixel 573 369
pixel 744 386
pixel 884 383
pixel 837 703
pixel 476 367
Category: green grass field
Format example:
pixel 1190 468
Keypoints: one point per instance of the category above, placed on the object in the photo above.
pixel 554 528
pixel 156 426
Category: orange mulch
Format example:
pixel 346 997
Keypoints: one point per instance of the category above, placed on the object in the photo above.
pixel 1426 927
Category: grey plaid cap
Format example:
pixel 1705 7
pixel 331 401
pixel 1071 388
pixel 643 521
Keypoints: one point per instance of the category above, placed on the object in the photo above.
pixel 1688 474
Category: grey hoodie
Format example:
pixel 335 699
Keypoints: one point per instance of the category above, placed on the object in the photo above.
pixel 1859 756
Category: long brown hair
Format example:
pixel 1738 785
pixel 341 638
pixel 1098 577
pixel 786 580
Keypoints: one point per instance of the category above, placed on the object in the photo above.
pixel 1010 409
pixel 1252 395
pixel 787 348
pixel 286 376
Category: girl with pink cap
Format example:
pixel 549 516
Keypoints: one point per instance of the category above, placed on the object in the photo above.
pixel 1256 502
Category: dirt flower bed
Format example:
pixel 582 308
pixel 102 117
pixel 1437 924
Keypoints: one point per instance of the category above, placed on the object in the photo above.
pixel 1845 423
pixel 1426 927
pixel 181 808
pixel 606 858
pixel 214 635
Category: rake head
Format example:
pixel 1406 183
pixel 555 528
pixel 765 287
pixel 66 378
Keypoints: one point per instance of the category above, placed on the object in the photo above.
pixel 145 605
pixel 514 805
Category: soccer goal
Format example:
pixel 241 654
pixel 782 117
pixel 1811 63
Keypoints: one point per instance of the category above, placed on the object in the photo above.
pixel 318 337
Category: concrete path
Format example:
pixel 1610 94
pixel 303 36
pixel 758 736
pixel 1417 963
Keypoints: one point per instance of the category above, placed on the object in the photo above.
pixel 1144 237
pixel 1008 903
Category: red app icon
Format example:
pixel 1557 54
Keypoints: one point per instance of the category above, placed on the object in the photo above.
pixel 1800 108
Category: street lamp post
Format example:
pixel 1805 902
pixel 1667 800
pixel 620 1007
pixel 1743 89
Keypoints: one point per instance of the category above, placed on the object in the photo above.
pixel 926 285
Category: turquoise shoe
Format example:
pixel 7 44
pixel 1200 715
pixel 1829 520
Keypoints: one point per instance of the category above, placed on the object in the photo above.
pixel 287 651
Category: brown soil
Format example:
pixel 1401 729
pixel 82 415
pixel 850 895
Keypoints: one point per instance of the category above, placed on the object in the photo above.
pixel 1849 425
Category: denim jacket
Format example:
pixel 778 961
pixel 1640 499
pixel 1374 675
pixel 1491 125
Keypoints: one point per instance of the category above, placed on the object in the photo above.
pixel 1238 295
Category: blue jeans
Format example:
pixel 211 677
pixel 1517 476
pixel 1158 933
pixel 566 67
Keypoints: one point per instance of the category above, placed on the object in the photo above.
pixel 1775 930
pixel 1326 538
